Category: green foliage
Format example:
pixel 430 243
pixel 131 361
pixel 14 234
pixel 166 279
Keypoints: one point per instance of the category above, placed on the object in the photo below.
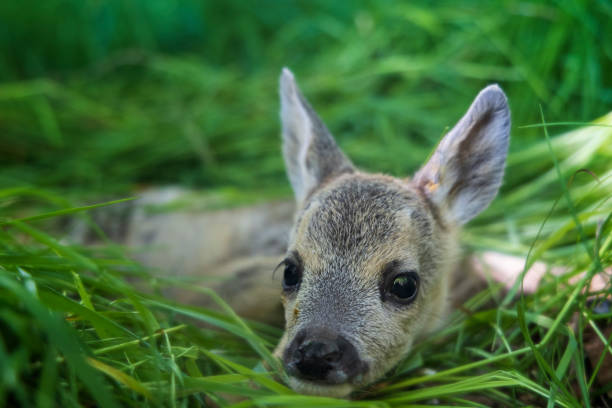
pixel 97 98
pixel 102 95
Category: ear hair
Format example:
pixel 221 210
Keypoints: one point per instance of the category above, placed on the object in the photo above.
pixel 466 169
pixel 310 152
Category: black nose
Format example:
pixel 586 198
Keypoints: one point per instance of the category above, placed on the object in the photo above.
pixel 323 356
pixel 315 359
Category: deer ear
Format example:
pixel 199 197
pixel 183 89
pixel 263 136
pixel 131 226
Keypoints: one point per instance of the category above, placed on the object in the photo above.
pixel 310 152
pixel 466 169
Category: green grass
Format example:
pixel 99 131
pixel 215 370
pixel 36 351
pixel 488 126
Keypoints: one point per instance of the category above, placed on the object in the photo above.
pixel 74 330
pixel 173 96
pixel 124 94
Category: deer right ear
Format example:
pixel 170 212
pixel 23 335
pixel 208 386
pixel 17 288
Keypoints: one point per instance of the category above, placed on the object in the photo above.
pixel 310 152
pixel 466 170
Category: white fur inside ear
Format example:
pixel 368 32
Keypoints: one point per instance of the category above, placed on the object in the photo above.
pixel 467 168
pixel 297 136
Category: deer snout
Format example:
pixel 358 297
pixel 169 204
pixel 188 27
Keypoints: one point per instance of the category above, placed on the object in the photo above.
pixel 323 356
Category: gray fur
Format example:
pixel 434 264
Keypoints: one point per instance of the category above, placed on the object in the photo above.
pixel 310 152
pixel 467 168
pixel 347 234
pixel 351 227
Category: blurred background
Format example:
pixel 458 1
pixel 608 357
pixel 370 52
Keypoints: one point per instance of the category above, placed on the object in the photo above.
pixel 101 97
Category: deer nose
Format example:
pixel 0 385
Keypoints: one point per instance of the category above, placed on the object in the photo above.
pixel 320 355
pixel 315 359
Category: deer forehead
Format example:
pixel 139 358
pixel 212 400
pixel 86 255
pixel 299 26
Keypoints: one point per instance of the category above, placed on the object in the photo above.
pixel 361 222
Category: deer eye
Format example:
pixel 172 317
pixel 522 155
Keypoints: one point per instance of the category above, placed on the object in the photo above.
pixel 402 288
pixel 292 276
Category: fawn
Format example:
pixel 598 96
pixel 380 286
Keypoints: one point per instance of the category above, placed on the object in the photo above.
pixel 369 258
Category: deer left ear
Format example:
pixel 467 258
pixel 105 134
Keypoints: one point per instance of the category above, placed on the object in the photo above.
pixel 310 152
pixel 466 169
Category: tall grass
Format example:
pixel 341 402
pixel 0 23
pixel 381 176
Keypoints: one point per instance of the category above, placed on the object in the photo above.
pixel 98 99
pixel 76 333
pixel 99 96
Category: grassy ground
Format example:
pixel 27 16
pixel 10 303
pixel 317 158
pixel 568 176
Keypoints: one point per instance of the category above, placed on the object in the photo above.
pixel 98 99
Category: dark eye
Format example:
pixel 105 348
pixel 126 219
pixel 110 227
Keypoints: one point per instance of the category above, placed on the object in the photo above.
pixel 292 276
pixel 403 287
